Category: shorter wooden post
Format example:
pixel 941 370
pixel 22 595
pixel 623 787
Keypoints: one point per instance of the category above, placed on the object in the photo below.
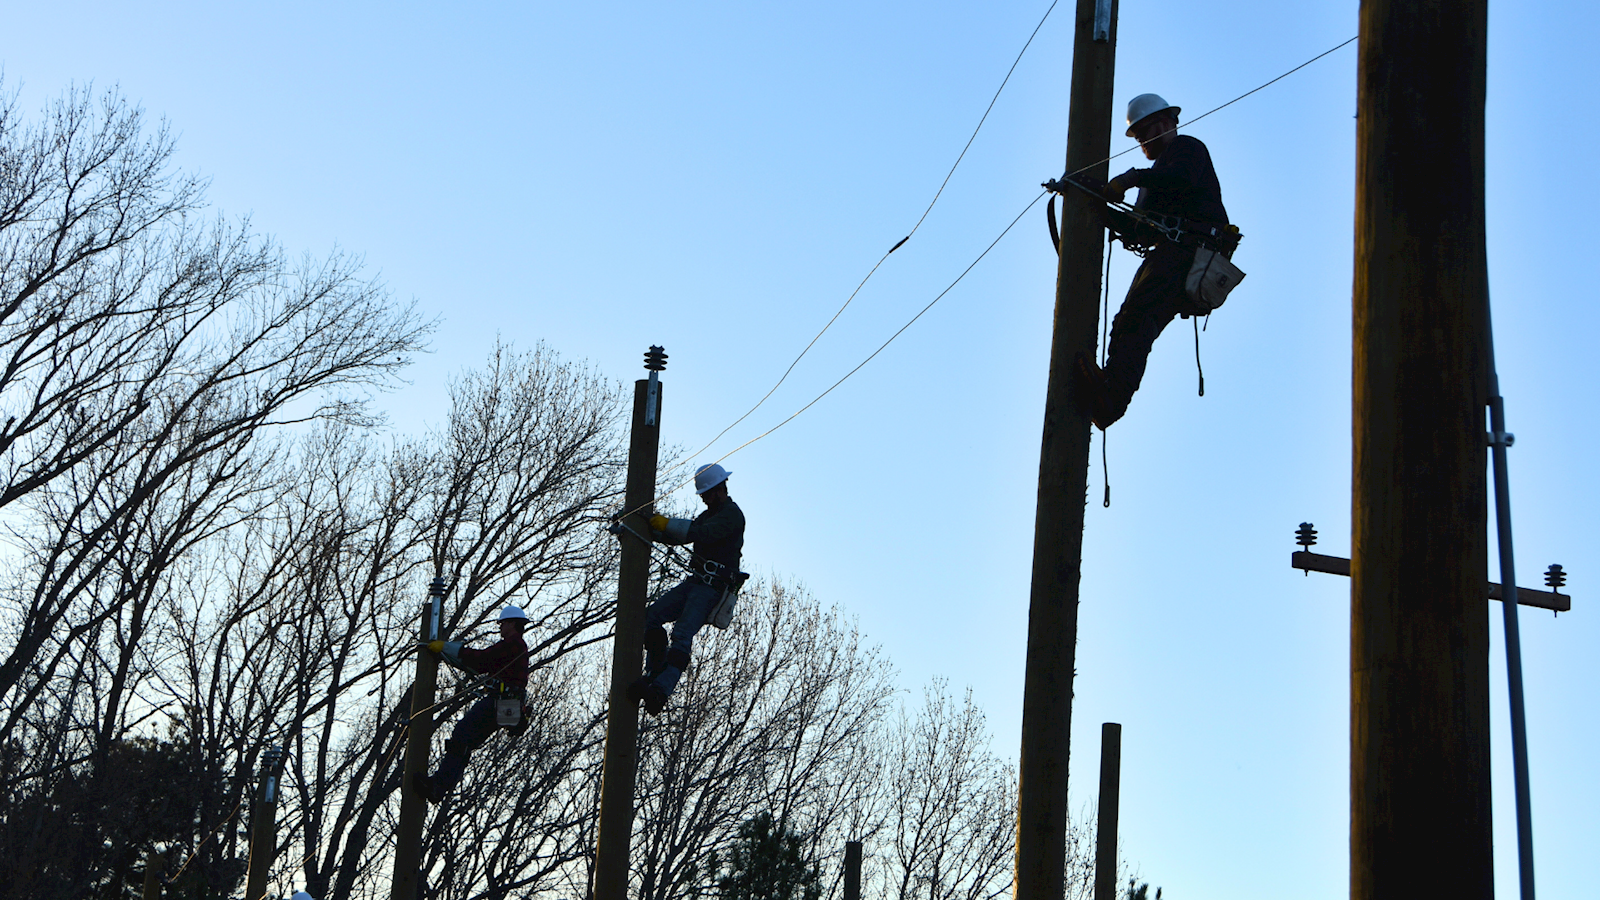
pixel 263 825
pixel 852 870
pixel 1105 845
pixel 154 864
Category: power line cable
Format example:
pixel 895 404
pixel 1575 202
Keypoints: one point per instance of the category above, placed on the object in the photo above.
pixel 901 330
pixel 931 203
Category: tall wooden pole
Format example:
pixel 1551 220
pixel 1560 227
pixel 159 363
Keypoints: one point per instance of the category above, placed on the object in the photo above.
pixel 1105 836
pixel 263 821
pixel 618 777
pixel 419 742
pixel 1419 691
pixel 1064 475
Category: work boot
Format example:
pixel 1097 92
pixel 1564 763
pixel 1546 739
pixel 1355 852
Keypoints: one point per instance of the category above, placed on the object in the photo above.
pixel 428 786
pixel 1090 391
pixel 646 692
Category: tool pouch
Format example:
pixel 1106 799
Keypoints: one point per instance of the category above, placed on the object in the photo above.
pixel 722 614
pixel 1211 277
pixel 508 711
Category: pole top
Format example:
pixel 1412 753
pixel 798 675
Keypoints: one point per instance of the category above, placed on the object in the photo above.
pixel 655 359
pixel 436 587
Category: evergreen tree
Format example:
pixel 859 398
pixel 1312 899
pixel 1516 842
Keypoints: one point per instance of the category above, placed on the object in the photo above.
pixel 767 862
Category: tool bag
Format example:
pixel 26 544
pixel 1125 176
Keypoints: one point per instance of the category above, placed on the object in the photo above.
pixel 722 614
pixel 1211 277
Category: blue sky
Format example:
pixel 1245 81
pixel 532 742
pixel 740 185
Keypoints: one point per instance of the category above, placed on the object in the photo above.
pixel 717 178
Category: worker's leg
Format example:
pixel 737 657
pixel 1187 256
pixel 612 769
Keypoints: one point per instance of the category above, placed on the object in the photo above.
pixel 470 733
pixel 1153 300
pixel 666 608
pixel 698 600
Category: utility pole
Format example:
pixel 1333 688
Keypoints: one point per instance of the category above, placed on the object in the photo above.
pixel 154 864
pixel 1064 474
pixel 1105 839
pixel 419 742
pixel 852 870
pixel 263 822
pixel 620 771
pixel 1419 642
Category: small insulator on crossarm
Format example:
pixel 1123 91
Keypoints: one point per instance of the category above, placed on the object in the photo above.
pixel 655 359
pixel 1555 578
pixel 1305 535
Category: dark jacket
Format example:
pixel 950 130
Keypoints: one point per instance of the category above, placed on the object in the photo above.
pixel 505 660
pixel 1182 182
pixel 718 535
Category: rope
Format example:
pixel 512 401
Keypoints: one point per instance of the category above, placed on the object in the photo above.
pixel 873 271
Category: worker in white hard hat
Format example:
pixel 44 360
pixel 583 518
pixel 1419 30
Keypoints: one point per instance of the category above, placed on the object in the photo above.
pixel 503 666
pixel 717 536
pixel 1182 182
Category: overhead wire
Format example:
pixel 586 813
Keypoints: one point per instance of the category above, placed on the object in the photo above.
pixel 1225 105
pixel 898 244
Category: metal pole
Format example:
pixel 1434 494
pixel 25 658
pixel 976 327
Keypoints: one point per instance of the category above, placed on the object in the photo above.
pixel 1420 818
pixel 263 821
pixel 1105 844
pixel 852 870
pixel 618 777
pixel 419 743
pixel 1063 476
pixel 1499 440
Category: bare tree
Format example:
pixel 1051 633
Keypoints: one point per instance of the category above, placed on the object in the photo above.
pixel 147 360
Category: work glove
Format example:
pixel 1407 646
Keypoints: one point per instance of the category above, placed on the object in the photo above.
pixel 435 647
pixel 658 523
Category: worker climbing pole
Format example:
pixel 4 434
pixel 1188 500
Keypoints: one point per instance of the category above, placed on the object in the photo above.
pixel 619 775
pixel 1064 473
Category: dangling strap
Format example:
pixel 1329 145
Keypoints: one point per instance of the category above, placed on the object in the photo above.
pixel 1105 470
pixel 1196 320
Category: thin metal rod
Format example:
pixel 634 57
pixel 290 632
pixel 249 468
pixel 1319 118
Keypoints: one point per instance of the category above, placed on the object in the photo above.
pixel 1508 577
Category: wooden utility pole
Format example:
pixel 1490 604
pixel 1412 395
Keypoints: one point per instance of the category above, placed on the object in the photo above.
pixel 419 743
pixel 618 777
pixel 1105 836
pixel 1419 648
pixel 263 819
pixel 1064 474
pixel 852 870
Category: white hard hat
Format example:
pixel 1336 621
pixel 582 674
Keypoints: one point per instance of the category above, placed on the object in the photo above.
pixel 513 612
pixel 1146 105
pixel 708 477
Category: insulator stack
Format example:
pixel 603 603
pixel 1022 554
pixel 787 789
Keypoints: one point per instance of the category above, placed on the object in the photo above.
pixel 655 359
pixel 1305 536
pixel 1555 578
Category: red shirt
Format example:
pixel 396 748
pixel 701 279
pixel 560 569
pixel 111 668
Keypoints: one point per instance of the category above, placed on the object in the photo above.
pixel 505 660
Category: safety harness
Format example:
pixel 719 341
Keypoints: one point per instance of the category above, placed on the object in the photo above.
pixel 708 572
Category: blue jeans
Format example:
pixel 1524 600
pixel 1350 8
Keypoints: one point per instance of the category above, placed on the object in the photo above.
pixel 686 607
pixel 473 729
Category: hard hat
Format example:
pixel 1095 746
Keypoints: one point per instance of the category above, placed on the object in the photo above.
pixel 513 612
pixel 708 477
pixel 1146 105
pixel 300 895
